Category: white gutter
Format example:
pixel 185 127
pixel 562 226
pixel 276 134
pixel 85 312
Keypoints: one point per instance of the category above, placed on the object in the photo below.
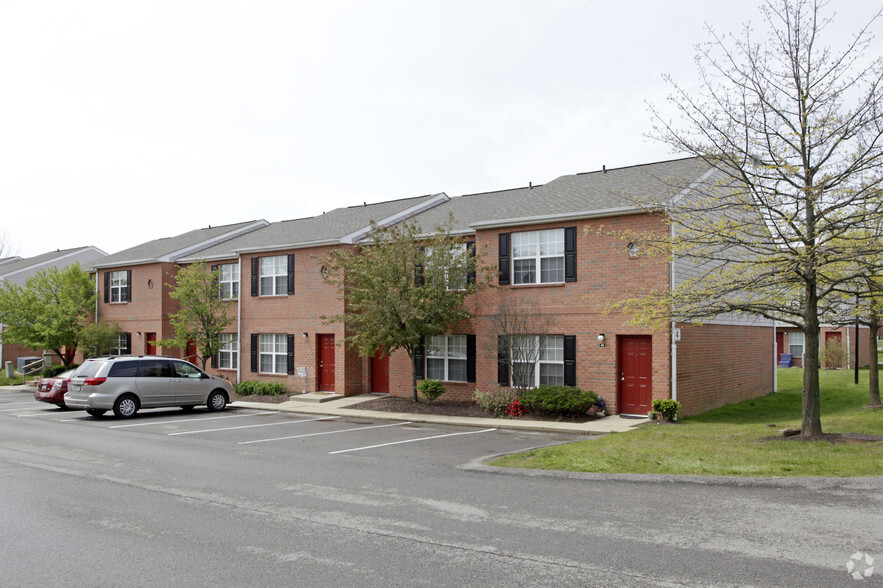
pixel 548 218
pixel 239 323
pixel 674 342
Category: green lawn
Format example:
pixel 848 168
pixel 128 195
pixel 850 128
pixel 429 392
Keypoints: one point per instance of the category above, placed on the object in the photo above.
pixel 728 441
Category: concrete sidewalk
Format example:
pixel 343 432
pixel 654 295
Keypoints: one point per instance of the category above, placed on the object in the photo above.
pixel 345 406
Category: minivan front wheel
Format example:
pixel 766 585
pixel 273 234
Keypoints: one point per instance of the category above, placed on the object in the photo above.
pixel 125 406
pixel 217 400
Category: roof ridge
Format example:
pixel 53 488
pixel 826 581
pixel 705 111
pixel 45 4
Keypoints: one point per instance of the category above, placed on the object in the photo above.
pixel 604 169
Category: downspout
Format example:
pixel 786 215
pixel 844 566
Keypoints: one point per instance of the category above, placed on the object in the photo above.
pixel 674 342
pixel 775 363
pixel 239 322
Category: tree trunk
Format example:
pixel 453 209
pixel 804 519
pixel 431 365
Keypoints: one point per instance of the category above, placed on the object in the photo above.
pixel 413 376
pixel 873 367
pixel 812 420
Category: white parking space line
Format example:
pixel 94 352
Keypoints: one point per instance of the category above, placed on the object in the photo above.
pixel 411 441
pixel 29 404
pixel 323 433
pixel 41 414
pixel 324 418
pixel 197 418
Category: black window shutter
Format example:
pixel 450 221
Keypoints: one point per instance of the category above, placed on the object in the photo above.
pixel 215 360
pixel 107 287
pixel 216 282
pixel 470 358
pixel 418 269
pixel 127 293
pixel 255 277
pixel 570 360
pixel 291 282
pixel 470 275
pixel 419 354
pixel 570 254
pixel 290 353
pixel 254 352
pixel 502 360
pixel 504 261
pixel 128 343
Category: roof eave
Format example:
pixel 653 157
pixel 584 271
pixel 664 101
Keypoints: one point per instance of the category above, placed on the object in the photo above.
pixel 560 217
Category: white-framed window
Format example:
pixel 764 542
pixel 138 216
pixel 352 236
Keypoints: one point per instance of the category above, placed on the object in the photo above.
pixel 455 276
pixel 119 286
pixel 795 343
pixel 273 354
pixel 228 355
pixel 538 257
pixel 121 345
pixel 274 275
pixel 228 281
pixel 446 358
pixel 537 360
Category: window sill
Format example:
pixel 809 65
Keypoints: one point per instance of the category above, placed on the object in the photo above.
pixel 121 302
pixel 272 295
pixel 272 375
pixel 555 285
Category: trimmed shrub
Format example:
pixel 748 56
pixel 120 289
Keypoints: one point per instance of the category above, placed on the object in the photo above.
pixel 431 389
pixel 497 401
pixel 54 370
pixel 255 388
pixel 560 400
pixel 668 408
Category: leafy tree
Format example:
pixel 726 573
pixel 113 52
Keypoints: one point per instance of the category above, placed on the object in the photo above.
pixel 794 134
pixel 98 338
pixel 49 311
pixel 202 315
pixel 401 287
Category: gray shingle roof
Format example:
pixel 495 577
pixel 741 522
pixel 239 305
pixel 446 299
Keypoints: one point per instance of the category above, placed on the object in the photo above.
pixel 18 270
pixel 335 226
pixel 585 194
pixel 171 249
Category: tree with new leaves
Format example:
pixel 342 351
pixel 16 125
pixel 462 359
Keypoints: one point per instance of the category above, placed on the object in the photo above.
pixel 402 286
pixel 202 314
pixel 793 133
pixel 49 311
pixel 99 338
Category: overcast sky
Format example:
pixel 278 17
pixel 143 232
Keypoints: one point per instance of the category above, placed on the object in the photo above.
pixel 124 121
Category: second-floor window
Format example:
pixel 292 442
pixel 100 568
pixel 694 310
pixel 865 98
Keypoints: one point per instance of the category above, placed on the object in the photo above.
pixel 538 257
pixel 228 281
pixel 119 286
pixel 273 275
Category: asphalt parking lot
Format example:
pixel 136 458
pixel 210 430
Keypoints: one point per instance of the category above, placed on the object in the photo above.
pixel 274 431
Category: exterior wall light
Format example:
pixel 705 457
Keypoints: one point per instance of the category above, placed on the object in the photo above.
pixel 601 340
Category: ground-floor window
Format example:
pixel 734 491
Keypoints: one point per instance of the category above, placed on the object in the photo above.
pixel 228 355
pixel 537 360
pixel 795 344
pixel 273 354
pixel 446 358
pixel 121 345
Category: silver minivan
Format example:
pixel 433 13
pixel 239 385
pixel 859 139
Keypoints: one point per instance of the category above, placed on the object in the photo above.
pixel 127 383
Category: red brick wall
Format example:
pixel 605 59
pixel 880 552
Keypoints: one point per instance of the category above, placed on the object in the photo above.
pixel 722 364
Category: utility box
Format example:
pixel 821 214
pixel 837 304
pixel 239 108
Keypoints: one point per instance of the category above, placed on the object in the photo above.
pixel 23 361
pixel 10 371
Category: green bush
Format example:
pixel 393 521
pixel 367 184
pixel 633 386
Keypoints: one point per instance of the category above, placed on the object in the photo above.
pixel 431 389
pixel 255 388
pixel 497 401
pixel 668 408
pixel 561 400
pixel 54 370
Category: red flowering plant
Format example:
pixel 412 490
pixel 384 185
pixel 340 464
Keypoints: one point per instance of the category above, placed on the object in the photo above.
pixel 514 410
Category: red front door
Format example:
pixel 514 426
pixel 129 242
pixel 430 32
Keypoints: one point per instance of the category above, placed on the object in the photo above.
pixel 780 347
pixel 635 374
pixel 325 344
pixel 150 343
pixel 380 373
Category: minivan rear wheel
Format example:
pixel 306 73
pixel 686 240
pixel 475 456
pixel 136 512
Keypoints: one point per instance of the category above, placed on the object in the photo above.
pixel 125 406
pixel 216 401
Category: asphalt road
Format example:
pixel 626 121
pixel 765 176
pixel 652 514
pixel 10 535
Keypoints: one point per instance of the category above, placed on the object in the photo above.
pixel 270 499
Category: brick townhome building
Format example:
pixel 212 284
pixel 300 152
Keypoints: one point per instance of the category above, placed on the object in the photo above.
pixel 547 246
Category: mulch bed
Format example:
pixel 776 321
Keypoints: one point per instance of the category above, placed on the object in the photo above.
pixel 261 398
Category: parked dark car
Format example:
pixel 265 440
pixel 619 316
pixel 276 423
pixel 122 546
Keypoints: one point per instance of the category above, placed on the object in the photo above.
pixel 52 390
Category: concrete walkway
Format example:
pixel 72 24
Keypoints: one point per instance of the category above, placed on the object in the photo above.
pixel 345 407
